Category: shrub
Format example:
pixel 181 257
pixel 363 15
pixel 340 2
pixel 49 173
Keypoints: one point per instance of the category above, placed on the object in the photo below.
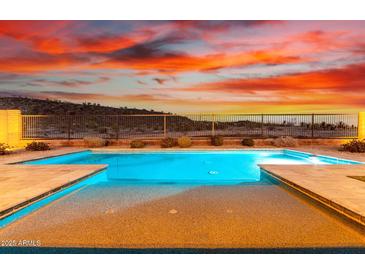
pixel 168 142
pixel 285 141
pixel 268 142
pixel 4 149
pixel 137 144
pixel 184 141
pixel 354 146
pixel 67 143
pixel 216 140
pixel 248 142
pixel 94 142
pixel 37 146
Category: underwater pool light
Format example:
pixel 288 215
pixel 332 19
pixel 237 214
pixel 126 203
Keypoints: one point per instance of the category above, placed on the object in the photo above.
pixel 314 160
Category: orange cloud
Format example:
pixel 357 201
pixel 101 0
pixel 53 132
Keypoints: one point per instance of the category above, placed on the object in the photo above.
pixel 39 34
pixel 50 45
pixel 350 78
pixel 174 63
pixel 41 62
pixel 109 43
pixel 104 43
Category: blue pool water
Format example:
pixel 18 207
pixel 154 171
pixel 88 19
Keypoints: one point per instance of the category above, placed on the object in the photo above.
pixel 193 167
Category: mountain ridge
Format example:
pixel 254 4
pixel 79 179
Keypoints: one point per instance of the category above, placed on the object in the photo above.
pixel 35 106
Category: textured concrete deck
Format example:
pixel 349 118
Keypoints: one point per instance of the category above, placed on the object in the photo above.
pixel 176 216
pixel 328 184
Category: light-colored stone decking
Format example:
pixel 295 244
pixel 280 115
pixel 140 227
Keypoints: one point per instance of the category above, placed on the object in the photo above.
pixel 22 184
pixel 328 184
pixel 33 155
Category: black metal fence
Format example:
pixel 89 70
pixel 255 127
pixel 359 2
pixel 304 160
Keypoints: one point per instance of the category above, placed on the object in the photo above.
pixel 158 126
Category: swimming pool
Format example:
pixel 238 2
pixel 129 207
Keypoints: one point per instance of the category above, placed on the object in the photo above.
pixel 182 199
pixel 191 167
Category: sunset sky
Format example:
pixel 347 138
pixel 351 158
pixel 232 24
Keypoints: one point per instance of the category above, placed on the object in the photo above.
pixel 188 66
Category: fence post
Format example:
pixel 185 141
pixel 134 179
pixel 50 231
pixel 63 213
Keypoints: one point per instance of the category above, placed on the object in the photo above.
pixel 69 127
pixel 312 127
pixel 213 124
pixel 361 126
pixel 118 125
pixel 262 125
pixel 164 126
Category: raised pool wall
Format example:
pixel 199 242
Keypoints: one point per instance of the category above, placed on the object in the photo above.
pixel 11 127
pixel 361 126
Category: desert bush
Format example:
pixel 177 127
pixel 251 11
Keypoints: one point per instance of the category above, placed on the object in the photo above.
pixel 249 142
pixel 184 141
pixel 168 142
pixel 268 141
pixel 67 143
pixel 94 142
pixel 37 146
pixel 354 146
pixel 137 144
pixel 285 141
pixel 4 149
pixel 216 140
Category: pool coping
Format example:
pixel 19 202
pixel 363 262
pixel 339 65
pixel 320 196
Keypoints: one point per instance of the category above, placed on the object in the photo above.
pixel 16 162
pixel 202 150
pixel 174 149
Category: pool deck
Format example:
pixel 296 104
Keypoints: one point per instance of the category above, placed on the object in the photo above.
pixel 329 184
pixel 21 185
pixel 34 155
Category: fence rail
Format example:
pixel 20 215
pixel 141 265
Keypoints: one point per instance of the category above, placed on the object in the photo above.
pixel 163 125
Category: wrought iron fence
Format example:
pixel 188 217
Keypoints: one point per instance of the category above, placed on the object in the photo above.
pixel 163 125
